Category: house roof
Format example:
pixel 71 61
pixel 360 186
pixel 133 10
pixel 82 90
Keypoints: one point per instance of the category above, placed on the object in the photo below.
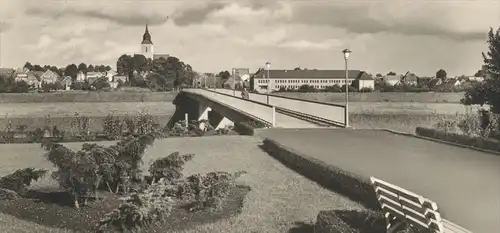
pixel 50 72
pixel 392 77
pixel 37 74
pixel 94 74
pixel 32 76
pixel 410 77
pixel 312 74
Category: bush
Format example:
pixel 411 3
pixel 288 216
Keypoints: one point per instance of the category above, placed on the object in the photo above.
pixel 112 127
pixel 82 172
pixel 169 167
pixel 21 179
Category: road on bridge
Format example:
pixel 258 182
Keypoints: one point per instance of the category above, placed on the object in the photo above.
pixel 465 183
pixel 257 110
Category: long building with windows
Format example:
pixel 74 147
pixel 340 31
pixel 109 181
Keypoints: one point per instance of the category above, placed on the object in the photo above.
pixel 273 80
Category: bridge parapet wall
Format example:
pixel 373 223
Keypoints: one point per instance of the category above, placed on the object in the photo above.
pixel 332 112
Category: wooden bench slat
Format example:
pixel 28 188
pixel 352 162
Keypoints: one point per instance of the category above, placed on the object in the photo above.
pixel 425 212
pixel 408 206
pixel 405 193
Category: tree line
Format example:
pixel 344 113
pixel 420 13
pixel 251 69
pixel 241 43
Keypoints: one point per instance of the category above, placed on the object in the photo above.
pixel 161 73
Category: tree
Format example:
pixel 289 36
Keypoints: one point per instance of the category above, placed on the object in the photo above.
pixel 391 73
pixel 90 68
pixel 441 74
pixel 488 92
pixel 224 75
pixel 101 83
pixel 379 75
pixel 28 66
pixel 140 62
pixel 82 68
pixel 297 68
pixel 124 65
pixel 72 71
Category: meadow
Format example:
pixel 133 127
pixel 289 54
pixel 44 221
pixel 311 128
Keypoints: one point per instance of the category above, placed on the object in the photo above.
pixel 423 97
pixel 270 206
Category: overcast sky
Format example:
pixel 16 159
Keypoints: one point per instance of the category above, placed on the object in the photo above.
pixel 393 35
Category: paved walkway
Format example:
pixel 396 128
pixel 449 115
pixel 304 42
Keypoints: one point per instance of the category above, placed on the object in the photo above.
pixel 465 183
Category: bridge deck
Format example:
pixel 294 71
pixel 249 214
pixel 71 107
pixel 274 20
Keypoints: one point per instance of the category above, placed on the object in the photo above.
pixel 255 109
pixel 465 183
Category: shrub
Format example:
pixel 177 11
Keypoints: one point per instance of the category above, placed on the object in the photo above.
pixel 140 210
pixel 21 179
pixel 112 127
pixel 82 172
pixel 211 189
pixel 169 167
pixel 82 124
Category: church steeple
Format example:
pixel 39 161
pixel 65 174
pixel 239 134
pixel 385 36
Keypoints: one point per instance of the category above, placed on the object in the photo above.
pixel 146 38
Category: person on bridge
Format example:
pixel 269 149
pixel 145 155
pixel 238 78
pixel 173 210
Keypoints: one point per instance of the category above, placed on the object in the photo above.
pixel 244 94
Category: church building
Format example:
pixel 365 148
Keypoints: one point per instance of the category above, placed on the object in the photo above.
pixel 148 48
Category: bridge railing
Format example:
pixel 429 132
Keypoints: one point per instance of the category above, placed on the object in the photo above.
pixel 262 112
pixel 328 111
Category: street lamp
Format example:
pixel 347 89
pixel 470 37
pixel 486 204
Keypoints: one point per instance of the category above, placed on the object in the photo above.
pixel 268 67
pixel 234 82
pixel 346 52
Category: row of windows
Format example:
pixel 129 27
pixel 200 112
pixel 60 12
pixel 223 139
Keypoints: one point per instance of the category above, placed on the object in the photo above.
pixel 303 81
pixel 297 86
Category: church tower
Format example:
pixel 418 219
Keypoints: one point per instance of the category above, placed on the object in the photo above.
pixel 147 47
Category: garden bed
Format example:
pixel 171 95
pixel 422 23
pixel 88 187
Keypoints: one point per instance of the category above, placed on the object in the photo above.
pixel 53 209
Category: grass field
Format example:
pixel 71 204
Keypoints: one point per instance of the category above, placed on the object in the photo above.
pixel 434 97
pixel 280 200
pixel 85 96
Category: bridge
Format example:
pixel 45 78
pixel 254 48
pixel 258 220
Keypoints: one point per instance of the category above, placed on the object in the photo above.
pixel 225 107
pixel 464 182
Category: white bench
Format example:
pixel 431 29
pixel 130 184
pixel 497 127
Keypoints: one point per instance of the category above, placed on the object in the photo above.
pixel 401 206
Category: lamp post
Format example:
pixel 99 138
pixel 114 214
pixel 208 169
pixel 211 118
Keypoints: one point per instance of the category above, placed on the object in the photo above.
pixel 268 66
pixel 234 83
pixel 215 84
pixel 346 52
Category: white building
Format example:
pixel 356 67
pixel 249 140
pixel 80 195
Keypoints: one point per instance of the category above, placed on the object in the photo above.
pixel 319 79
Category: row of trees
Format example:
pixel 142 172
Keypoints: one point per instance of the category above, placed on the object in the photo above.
pixel 163 73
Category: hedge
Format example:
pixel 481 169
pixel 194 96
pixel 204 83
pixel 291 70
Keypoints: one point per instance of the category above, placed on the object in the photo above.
pixel 351 185
pixel 464 140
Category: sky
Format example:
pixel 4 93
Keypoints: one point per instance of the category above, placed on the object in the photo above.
pixel 420 36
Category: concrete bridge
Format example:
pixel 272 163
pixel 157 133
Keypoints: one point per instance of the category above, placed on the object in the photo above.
pixel 223 107
pixel 464 182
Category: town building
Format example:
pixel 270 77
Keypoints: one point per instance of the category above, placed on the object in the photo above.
pixel 49 76
pixel 274 80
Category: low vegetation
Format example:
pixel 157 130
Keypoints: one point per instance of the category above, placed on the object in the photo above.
pixel 82 128
pixel 116 169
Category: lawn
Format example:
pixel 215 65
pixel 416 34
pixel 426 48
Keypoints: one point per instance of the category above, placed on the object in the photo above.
pixel 280 200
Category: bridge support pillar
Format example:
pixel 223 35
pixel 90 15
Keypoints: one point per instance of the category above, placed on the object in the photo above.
pixel 224 123
pixel 203 114
pixel 218 121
